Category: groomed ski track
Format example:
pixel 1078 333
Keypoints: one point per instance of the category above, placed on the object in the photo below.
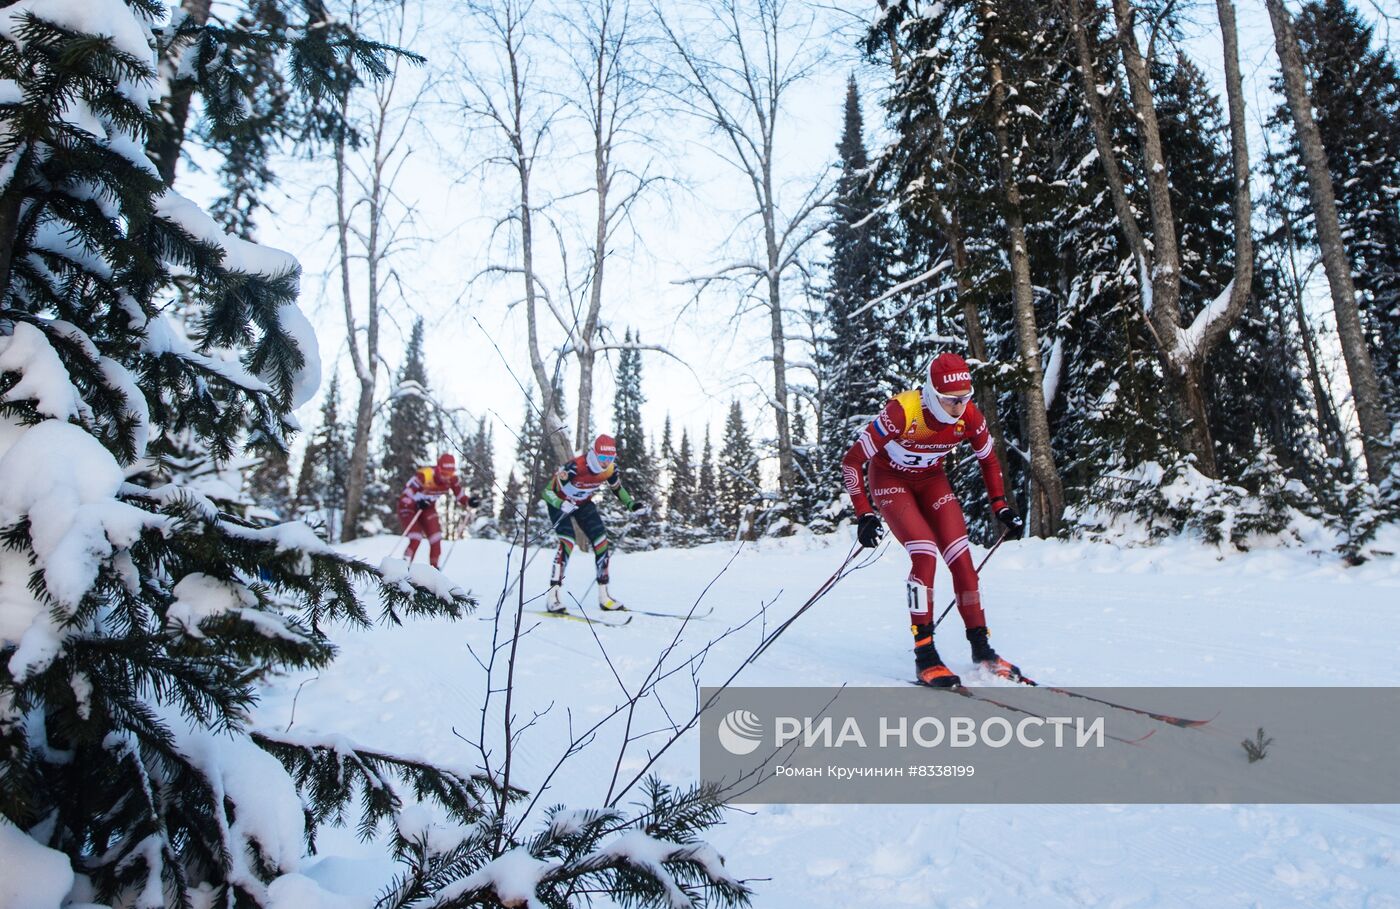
pixel 1073 614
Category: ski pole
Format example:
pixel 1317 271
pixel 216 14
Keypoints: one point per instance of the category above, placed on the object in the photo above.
pixel 822 591
pixel 459 527
pixel 994 548
pixel 406 531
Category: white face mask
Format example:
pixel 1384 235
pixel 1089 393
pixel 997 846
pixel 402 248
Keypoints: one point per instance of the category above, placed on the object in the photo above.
pixel 933 406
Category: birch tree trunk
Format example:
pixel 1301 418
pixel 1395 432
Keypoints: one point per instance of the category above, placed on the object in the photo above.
pixel 740 90
pixel 506 103
pixel 1048 497
pixel 1370 412
pixel 365 184
pixel 614 98
pixel 1182 352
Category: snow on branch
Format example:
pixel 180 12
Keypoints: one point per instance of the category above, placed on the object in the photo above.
pixel 902 286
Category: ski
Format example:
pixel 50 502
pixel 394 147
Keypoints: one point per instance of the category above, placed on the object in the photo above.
pixel 665 615
pixel 970 695
pixel 1178 721
pixel 580 618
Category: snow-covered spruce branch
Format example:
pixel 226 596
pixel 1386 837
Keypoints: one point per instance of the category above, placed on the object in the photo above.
pixel 653 859
pixel 342 774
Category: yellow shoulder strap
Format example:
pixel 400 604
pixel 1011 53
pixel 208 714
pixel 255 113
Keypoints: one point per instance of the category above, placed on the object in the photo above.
pixel 912 402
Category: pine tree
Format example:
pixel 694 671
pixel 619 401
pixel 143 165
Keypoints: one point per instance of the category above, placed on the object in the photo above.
pixel 533 458
pixel 633 461
pixel 665 458
pixel 813 486
pixel 1356 101
pixel 738 483
pixel 321 485
pixel 852 363
pixel 1367 392
pixel 513 506
pixel 411 432
pixel 680 504
pixel 707 489
pixel 269 483
pixel 1192 129
pixel 480 476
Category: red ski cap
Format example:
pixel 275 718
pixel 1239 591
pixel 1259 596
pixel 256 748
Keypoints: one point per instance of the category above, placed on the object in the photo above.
pixel 602 454
pixel 949 375
pixel 446 466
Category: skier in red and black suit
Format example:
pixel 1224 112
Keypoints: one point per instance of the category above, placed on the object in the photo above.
pixel 905 447
pixel 417 507
pixel 569 497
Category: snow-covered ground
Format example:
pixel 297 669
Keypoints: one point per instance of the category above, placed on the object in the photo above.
pixel 1083 614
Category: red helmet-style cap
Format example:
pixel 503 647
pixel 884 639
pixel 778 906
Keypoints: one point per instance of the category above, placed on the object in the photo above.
pixel 603 453
pixel 446 465
pixel 948 375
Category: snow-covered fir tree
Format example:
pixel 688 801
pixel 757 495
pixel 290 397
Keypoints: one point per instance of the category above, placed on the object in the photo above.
pixel 533 459
pixel 706 511
pixel 634 462
pixel 411 429
pixel 680 499
pixel 269 482
pixel 1356 100
pixel 512 507
pixel 853 361
pixel 813 487
pixel 479 475
pixel 324 466
pixel 737 489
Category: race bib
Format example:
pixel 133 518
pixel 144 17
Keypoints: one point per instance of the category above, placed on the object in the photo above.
pixel 911 460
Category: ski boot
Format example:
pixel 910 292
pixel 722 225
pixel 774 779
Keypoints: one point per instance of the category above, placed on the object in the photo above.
pixel 554 600
pixel 606 602
pixel 984 656
pixel 929 667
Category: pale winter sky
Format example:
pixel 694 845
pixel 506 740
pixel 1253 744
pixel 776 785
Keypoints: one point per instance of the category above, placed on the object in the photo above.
pixel 682 231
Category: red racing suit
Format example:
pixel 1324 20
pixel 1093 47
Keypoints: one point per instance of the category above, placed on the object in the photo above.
pixel 417 509
pixel 905 446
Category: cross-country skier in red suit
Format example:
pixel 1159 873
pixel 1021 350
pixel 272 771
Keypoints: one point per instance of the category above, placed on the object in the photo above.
pixel 905 447
pixel 418 505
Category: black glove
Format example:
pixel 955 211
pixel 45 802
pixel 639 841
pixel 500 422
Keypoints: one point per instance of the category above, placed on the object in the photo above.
pixel 473 501
pixel 1014 524
pixel 869 530
pixel 636 505
pixel 424 504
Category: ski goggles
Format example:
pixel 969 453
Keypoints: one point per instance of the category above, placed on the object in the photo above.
pixel 605 460
pixel 955 399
